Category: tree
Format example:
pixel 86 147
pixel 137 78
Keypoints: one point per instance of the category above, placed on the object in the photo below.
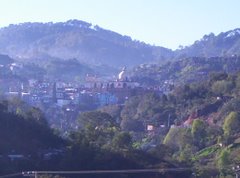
pixel 218 76
pixel 122 140
pixel 37 115
pixel 222 86
pixel 98 127
pixel 231 124
pixel 177 138
pixel 186 154
pixel 96 119
pixel 112 110
pixel 238 81
pixel 132 125
pixel 198 132
pixel 232 105
pixel 223 159
pixel 130 109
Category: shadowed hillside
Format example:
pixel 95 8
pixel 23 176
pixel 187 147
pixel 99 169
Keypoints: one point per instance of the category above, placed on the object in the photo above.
pixel 76 39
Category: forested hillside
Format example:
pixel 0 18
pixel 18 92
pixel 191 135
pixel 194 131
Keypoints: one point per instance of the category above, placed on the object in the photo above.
pixel 197 122
pixel 211 45
pixel 39 42
pixel 195 126
pixel 91 44
pixel 27 143
pixel 186 70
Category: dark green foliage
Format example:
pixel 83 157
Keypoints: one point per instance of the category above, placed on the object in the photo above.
pixel 132 125
pixel 231 124
pixel 218 76
pixel 199 132
pixel 178 138
pixel 161 151
pixel 223 160
pixel 204 105
pixel 98 127
pixel 68 70
pixel 113 110
pixel 96 119
pixel 206 152
pixel 149 108
pixel 122 140
pixel 222 87
pixel 187 70
pixel 97 145
pixel 186 154
pixel 25 135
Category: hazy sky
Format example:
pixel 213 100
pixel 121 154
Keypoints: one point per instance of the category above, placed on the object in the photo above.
pixel 167 23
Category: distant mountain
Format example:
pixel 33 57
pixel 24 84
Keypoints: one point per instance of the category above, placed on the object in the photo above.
pixel 212 53
pixel 79 40
pixel 93 45
pixel 224 44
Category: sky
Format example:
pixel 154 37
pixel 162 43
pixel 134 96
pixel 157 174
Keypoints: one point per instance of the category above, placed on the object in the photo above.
pixel 167 23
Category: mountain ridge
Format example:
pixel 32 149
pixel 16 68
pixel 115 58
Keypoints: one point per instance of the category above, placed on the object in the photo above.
pixel 211 45
pixel 90 44
pixel 76 39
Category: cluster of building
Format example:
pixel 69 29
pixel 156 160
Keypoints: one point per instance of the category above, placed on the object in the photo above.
pixel 66 100
pixel 92 93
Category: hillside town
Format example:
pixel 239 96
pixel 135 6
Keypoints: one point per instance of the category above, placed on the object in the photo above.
pixel 93 91
pixel 60 100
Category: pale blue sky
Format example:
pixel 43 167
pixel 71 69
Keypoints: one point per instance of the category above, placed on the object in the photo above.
pixel 167 23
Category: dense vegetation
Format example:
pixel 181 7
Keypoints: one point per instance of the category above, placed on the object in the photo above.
pixel 27 143
pixel 211 45
pixel 89 44
pixel 70 70
pixel 195 126
pixel 37 42
pixel 204 120
pixel 186 70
